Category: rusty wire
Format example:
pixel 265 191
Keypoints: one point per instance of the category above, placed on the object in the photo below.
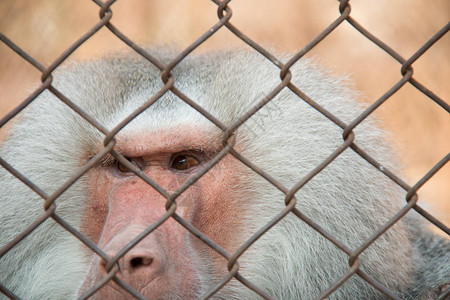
pixel 224 13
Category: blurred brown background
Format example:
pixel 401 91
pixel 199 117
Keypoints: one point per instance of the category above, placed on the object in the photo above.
pixel 421 128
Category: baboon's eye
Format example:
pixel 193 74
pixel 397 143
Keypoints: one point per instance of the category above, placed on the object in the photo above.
pixel 122 168
pixel 184 162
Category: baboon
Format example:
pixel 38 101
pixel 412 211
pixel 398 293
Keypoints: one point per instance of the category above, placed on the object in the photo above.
pixel 171 142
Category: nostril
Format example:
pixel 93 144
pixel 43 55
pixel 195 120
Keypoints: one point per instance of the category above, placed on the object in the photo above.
pixel 132 261
pixel 102 264
pixel 140 262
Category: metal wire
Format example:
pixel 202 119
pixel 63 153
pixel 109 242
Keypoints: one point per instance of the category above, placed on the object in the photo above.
pixel 224 13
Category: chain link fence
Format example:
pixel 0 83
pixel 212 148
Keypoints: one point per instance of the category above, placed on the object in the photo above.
pixel 224 14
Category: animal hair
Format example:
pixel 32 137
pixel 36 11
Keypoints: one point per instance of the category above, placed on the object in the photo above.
pixel 287 139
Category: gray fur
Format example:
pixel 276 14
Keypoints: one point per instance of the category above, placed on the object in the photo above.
pixel 287 139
